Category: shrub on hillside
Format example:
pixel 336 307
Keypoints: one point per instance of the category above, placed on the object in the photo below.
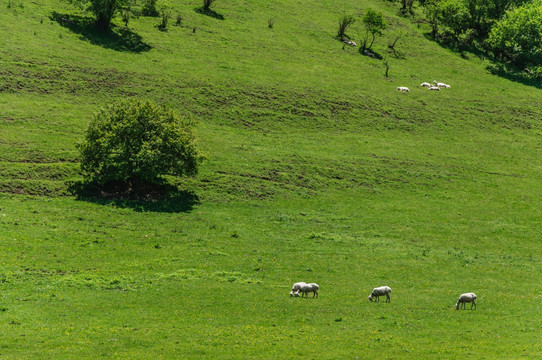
pixel 344 22
pixel 374 25
pixel 455 16
pixel 165 19
pixel 104 10
pixel 149 8
pixel 135 143
pixel 518 36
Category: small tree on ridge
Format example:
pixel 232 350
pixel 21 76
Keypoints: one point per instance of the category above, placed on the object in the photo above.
pixel 104 10
pixel 344 22
pixel 374 25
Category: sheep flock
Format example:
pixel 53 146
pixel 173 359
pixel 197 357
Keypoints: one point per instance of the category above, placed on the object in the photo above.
pixel 302 289
pixel 435 86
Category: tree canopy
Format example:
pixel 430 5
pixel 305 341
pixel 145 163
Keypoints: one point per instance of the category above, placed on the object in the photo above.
pixel 518 36
pixel 135 142
pixel 104 10
pixel 374 24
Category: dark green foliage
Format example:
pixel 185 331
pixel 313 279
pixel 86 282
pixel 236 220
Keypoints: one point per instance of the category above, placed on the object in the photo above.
pixel 518 36
pixel 344 22
pixel 406 7
pixel 104 10
pixel 126 18
pixel 466 16
pixel 149 8
pixel 165 19
pixel 432 13
pixel 374 24
pixel 455 16
pixel 136 142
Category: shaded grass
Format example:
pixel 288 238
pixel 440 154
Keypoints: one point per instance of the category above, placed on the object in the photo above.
pixel 162 197
pixel 209 12
pixel 116 38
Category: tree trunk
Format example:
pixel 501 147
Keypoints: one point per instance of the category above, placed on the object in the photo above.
pixel 372 41
pixel 103 22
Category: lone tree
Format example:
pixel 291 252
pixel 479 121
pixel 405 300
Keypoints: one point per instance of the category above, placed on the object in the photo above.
pixel 374 25
pixel 134 143
pixel 104 10
pixel 344 23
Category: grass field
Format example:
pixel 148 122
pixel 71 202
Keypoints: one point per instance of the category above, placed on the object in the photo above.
pixel 317 170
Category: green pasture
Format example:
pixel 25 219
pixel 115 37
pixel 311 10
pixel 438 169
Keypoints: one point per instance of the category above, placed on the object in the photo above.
pixel 317 170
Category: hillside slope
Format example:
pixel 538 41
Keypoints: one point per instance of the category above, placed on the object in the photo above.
pixel 317 170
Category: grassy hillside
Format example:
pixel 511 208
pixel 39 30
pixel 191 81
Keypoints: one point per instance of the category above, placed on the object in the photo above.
pixel 318 170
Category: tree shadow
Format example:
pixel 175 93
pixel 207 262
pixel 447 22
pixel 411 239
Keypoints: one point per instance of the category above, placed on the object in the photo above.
pixel 460 46
pixel 370 53
pixel 514 74
pixel 116 38
pixel 154 198
pixel 209 12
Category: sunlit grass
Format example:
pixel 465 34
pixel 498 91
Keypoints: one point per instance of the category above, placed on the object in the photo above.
pixel 318 170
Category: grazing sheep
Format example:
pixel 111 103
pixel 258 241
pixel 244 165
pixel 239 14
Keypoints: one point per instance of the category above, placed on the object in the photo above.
pixel 425 84
pixel 307 288
pixel 403 88
pixel 434 88
pixel 442 85
pixel 294 294
pixel 380 291
pixel 297 286
pixel 466 298
pixel 349 42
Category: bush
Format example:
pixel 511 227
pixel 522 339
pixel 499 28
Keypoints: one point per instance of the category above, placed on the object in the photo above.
pixel 104 10
pixel 137 142
pixel 518 35
pixel 149 8
pixel 374 24
pixel 165 19
pixel 344 22
pixel 454 15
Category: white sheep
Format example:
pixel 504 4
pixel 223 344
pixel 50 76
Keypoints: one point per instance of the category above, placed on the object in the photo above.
pixel 380 291
pixel 349 42
pixel 466 298
pixel 403 88
pixel 294 294
pixel 297 286
pixel 425 84
pixel 442 85
pixel 434 88
pixel 307 288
